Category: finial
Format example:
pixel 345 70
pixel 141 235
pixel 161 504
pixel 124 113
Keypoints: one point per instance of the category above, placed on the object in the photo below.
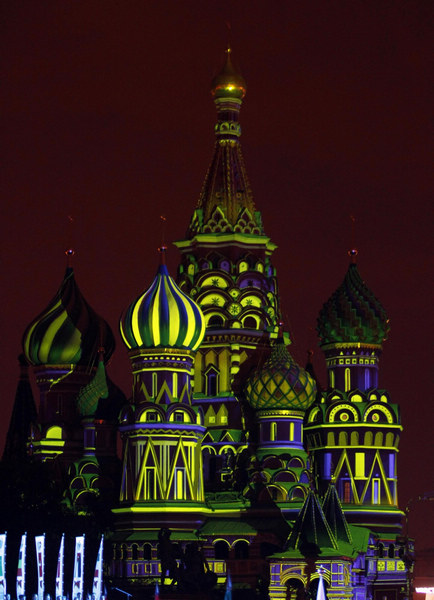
pixel 229 32
pixel 162 249
pixel 69 254
pixel 353 255
pixel 280 330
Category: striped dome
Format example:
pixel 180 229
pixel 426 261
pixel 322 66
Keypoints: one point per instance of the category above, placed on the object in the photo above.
pixel 281 384
pixel 352 314
pixel 68 331
pixel 163 316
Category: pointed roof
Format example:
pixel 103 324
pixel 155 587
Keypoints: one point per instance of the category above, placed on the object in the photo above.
pixel 334 514
pixel 226 202
pixel 311 528
pixel 23 414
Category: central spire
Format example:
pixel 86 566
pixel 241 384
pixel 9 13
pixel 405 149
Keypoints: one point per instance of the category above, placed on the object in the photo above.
pixel 226 202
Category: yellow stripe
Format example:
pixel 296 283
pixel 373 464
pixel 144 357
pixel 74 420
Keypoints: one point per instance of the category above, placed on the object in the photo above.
pixel 29 335
pixel 155 316
pixel 49 336
pixel 174 321
pixel 135 321
pixel 127 343
pixel 191 320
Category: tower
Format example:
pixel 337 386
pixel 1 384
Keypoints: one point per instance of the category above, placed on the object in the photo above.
pixel 226 268
pixel 353 431
pixel 62 345
pixel 280 392
pixel 162 482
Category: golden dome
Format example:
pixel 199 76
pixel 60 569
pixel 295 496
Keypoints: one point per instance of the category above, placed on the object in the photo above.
pixel 228 83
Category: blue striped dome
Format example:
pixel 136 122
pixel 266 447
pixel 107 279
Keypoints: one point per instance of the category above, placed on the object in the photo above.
pixel 163 316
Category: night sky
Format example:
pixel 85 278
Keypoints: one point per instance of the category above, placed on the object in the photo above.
pixel 106 116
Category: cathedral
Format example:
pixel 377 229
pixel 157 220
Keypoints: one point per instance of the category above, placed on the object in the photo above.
pixel 225 444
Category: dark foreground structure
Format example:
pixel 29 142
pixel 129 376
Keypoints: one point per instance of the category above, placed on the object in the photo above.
pixel 233 456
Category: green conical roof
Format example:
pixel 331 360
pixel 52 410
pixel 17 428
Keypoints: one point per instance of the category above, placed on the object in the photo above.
pixel 311 529
pixel 281 383
pixel 334 514
pixel 352 314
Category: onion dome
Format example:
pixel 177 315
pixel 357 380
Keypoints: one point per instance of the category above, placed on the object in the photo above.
pixel 228 83
pixel 68 331
pixel 163 317
pixel 281 384
pixel 353 314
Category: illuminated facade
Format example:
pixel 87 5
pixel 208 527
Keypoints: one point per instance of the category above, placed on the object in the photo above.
pixel 225 439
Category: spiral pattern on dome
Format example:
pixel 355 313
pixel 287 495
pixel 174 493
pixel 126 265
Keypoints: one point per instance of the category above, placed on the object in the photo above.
pixel 68 331
pixel 163 316
pixel 353 314
pixel 281 384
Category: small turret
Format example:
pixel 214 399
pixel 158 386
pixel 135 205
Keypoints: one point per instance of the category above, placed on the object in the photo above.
pixel 352 326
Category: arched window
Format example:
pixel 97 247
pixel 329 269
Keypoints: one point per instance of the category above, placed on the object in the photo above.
pixel 380 550
pixel 369 437
pixel 147 552
pixel 354 438
pixel 243 266
pixel 343 438
pixel 273 431
pixel 367 379
pixel 391 551
pixel 225 266
pixel 298 494
pixel 221 550
pixel 250 323
pixel 211 382
pixel 134 552
pixel 241 549
pixel 330 438
pixel 215 322
pixel 346 491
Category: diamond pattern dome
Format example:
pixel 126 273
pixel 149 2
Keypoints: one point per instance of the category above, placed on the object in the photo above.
pixel 281 383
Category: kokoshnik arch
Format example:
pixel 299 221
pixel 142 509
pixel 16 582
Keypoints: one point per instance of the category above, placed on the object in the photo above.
pixel 225 438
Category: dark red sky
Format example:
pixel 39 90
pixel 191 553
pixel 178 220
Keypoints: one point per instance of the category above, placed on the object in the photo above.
pixel 106 116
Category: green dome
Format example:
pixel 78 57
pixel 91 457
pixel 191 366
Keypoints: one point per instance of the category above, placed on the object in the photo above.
pixel 353 314
pixel 281 384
